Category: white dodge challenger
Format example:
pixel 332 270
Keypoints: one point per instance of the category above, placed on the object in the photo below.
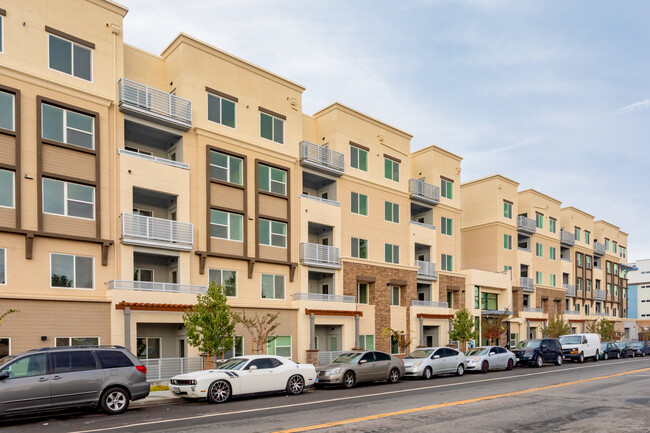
pixel 245 375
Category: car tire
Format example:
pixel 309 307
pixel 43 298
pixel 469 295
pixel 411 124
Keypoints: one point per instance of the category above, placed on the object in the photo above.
pixel 618 355
pixel 393 376
pixel 219 391
pixel 460 370
pixel 349 379
pixel 510 365
pixel 581 358
pixel 539 361
pixel 605 356
pixel 559 359
pixel 295 385
pixel 427 373
pixel 485 367
pixel 597 357
pixel 114 401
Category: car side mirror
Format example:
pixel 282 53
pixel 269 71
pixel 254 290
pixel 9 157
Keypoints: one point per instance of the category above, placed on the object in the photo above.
pixel 252 368
pixel 436 356
pixel 4 375
pixel 363 361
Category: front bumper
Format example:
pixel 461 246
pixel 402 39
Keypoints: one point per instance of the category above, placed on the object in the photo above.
pixel 187 391
pixel 526 359
pixel 330 379
pixel 414 371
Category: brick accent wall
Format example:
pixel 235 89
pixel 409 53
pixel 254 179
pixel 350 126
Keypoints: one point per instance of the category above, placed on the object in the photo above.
pixel 379 294
pixel 454 284
pixel 551 296
pixel 517 302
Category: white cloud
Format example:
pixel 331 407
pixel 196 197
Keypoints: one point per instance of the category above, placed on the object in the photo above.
pixel 641 105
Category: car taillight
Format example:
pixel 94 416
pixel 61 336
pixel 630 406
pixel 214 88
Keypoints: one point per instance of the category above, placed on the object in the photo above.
pixel 141 368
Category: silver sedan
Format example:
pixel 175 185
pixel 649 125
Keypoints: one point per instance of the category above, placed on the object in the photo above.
pixel 488 358
pixel 431 361
pixel 349 368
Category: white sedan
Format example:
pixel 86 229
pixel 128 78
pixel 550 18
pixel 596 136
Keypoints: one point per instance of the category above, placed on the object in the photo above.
pixel 244 375
pixel 488 358
pixel 431 361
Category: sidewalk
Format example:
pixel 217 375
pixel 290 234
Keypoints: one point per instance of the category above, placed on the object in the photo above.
pixel 156 397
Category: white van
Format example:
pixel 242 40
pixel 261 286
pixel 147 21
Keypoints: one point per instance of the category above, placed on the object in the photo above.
pixel 581 346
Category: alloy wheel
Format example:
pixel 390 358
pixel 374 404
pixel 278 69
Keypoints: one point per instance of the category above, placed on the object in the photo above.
pixel 393 376
pixel 605 356
pixel 485 367
pixel 219 392
pixel 539 361
pixel 427 373
pixel 559 360
pixel 460 370
pixel 296 384
pixel 115 401
pixel 348 379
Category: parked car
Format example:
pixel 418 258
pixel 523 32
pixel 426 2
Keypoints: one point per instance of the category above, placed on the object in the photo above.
pixel 537 352
pixel 626 349
pixel 609 350
pixel 56 378
pixel 350 368
pixel 431 361
pixel 488 358
pixel 640 348
pixel 244 375
pixel 577 347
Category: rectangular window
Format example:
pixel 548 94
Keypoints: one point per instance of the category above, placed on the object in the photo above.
pixel 606 244
pixel 609 289
pixel 507 209
pixel 76 272
pixel 477 297
pixel 391 253
pixel 539 277
pixel 272 179
pixel 363 292
pixel 359 248
pixel 273 233
pixel 76 341
pixel 391 212
pixel 280 346
pixel 271 128
pixel 609 267
pixel 489 301
pixel 148 347
pixel 587 237
pixel 446 188
pixel 394 295
pixel 226 279
pixel 539 220
pixel 229 168
pixel 579 284
pixel 5 344
pixel 578 308
pixel 7 189
pixel 551 225
pixel 367 342
pixel 588 262
pixel 615 268
pixel 359 204
pixel 226 225
pixel 447 226
pixel 3 266
pixel 577 232
pixel 272 286
pixel 391 169
pixel 67 126
pixel 447 262
pixel 221 110
pixel 68 199
pixel 588 285
pixel 539 250
pixel 579 259
pixel 450 299
pixel 551 253
pixel 358 158
pixel 509 270
pixel 586 310
pixel 551 280
pixel 614 245
pixel 7 110
pixel 141 274
pixel 70 58
pixel 507 241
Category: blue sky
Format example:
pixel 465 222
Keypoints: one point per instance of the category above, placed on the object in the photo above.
pixel 553 94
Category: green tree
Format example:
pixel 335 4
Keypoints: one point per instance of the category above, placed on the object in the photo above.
pixel 495 326
pixel 401 338
pixel 210 323
pixel 606 330
pixel 556 327
pixel 260 328
pixel 462 327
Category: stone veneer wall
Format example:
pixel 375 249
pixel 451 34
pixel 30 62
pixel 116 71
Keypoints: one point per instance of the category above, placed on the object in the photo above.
pixel 517 301
pixel 552 295
pixel 455 285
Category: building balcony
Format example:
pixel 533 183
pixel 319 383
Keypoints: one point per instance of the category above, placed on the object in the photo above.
pixel 321 297
pixel 155 105
pixel 571 313
pixel 570 290
pixel 526 225
pixel 424 192
pixel 567 239
pixel 324 256
pixel 527 284
pixel 425 225
pixel 148 286
pixel 601 314
pixel 156 232
pixel 321 200
pixel 426 270
pixel 599 249
pixel 600 295
pixel 157 159
pixel 532 310
pixel 321 158
pixel 416 303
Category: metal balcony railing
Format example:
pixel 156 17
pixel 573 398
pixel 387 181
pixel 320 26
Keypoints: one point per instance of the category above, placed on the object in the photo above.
pixel 144 230
pixel 320 199
pixel 154 159
pixel 323 297
pixel 526 224
pixel 532 310
pixel 599 249
pixel 571 313
pixel 319 255
pixel 570 290
pixel 139 100
pixel 149 286
pixel 527 284
pixel 416 303
pixel 600 294
pixel 426 269
pixel 417 223
pixel 601 314
pixel 423 191
pixel 567 238
pixel 321 157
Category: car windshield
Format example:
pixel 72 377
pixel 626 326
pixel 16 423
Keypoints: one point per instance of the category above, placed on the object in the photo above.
pixel 477 351
pixel 417 354
pixel 621 345
pixel 233 364
pixel 347 358
pixel 571 339
pixel 529 344
pixel 638 345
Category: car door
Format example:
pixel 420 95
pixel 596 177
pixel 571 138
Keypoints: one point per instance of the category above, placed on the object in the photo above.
pixel 494 359
pixel 547 354
pixel 25 386
pixel 438 361
pixel 382 366
pixel 451 360
pixel 258 379
pixel 280 373
pixel 75 378
pixel 365 368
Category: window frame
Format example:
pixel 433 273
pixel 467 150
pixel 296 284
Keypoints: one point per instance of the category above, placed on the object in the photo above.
pixel 367 288
pixel 363 341
pixel 552 253
pixel 273 119
pixel 275 346
pixel 507 241
pixel 271 234
pixel 70 341
pixel 146 339
pixel 65 126
pixel 392 163
pixel 271 181
pixel 3 263
pixel 395 290
pixel 393 248
pixel 284 286
pixel 552 225
pixel 446 188
pixel 359 195
pixel 539 278
pixel 446 226
pixel 576 232
pixel 359 150
pixel 358 247
pixel 507 209
pixel 445 259
pixel 74 271
pixel 229 158
pixel 138 271
pixel 539 220
pixel 13 104
pixel 13 190
pixel 8 345
pixel 221 271
pixel 66 199
pixel 72 45
pixel 221 98
pixel 391 207
pixel 228 226
pixel 487 298
pixel 539 249
pixel 552 280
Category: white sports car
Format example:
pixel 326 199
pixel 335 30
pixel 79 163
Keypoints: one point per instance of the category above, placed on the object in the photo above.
pixel 245 375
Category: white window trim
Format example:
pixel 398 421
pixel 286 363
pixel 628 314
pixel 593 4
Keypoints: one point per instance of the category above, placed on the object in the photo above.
pixel 273 128
pixel 358 159
pixel 284 194
pixel 99 341
pixel 276 346
pixel 7 269
pixel 271 234
pixel 359 203
pixel 146 351
pixel 284 291
pixel 445 226
pixel 392 211
pixel 509 237
pixel 65 200
pixel 229 238
pixel 452 188
pixel 74 271
pixel 72 44
pixel 221 272
pixel 399 169
pixel 359 248
pixel 220 98
pixel 13 192
pixel 392 253
pixel 227 168
pixel 153 276
pixel 13 105
pixel 65 126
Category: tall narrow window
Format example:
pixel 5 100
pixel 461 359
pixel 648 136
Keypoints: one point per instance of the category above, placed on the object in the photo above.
pixel 539 221
pixel 539 278
pixel 539 250
pixel 272 128
pixel 359 248
pixel 230 169
pixel 391 253
pixel 273 233
pixel 7 109
pixel 221 110
pixel 362 293
pixel 7 188
pixel 391 169
pixel 272 179
pixel 577 232
pixel 67 126
pixel 358 158
pixel 391 212
pixel 70 58
pixel 394 296
pixel 359 203
pixel 551 225
pixel 551 280
pixel 551 253
pixel 447 226
pixel 446 188
pixel 507 209
pixel 447 262
pixel 587 237
pixel 507 242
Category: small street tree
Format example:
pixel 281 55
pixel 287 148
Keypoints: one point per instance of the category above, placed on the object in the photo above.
pixel 495 326
pixel 210 324
pixel 260 328
pixel 403 339
pixel 606 330
pixel 592 326
pixel 463 328
pixel 556 327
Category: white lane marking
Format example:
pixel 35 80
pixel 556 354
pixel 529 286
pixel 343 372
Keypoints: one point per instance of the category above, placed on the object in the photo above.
pixel 356 397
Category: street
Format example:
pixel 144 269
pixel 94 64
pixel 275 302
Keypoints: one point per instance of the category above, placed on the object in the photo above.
pixel 596 396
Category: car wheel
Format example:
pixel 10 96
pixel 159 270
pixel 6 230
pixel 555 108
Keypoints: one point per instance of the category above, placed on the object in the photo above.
pixel 219 391
pixel 393 376
pixel 559 359
pixel 581 358
pixel 539 361
pixel 485 367
pixel 460 370
pixel 605 356
pixel 642 354
pixel 618 355
pixel 510 365
pixel 349 379
pixel 427 373
pixel 597 357
pixel 633 354
pixel 115 401
pixel 295 385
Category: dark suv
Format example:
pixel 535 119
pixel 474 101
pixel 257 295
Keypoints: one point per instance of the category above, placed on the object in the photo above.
pixel 537 352
pixel 56 378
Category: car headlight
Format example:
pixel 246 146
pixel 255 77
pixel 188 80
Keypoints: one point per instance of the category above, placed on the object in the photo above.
pixel 417 364
pixel 473 360
pixel 333 371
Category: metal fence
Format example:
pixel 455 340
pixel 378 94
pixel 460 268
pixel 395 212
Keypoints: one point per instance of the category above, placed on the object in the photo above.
pixel 526 283
pixel 320 199
pixel 322 156
pixel 427 269
pixel 532 310
pixel 154 100
pixel 317 253
pixel 416 303
pixel 322 297
pixel 570 289
pixel 157 230
pixel 425 190
pixel 526 224
pixel 166 368
pixel 567 237
pixel 327 357
pixel 148 286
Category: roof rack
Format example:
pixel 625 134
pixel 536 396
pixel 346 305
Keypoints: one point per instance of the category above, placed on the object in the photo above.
pixel 96 346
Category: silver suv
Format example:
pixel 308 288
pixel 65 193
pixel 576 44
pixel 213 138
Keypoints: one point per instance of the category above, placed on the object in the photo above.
pixel 107 377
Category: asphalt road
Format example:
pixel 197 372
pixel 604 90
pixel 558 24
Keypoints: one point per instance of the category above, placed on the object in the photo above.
pixel 611 396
